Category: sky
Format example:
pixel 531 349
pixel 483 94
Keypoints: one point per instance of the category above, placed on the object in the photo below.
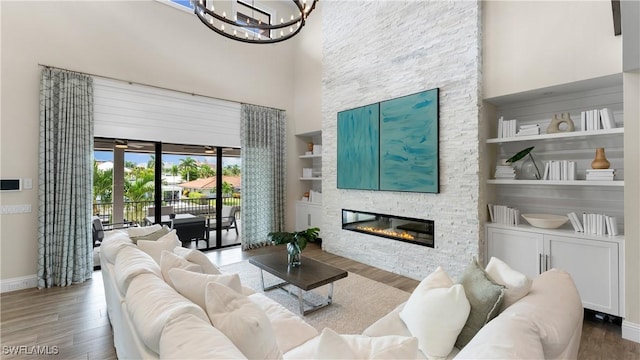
pixel 166 158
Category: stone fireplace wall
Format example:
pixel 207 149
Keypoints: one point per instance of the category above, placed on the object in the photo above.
pixel 379 50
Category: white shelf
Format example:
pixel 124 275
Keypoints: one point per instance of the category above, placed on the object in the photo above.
pixel 312 178
pixel 312 156
pixel 563 231
pixel 563 135
pixel 556 182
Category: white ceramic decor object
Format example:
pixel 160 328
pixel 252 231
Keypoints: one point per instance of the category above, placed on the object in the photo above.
pixel 545 221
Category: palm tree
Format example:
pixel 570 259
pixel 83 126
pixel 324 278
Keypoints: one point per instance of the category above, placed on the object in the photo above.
pixel 174 170
pixel 234 170
pixel 102 184
pixel 136 192
pixel 226 188
pixel 130 164
pixel 139 189
pixel 207 171
pixel 151 164
pixel 189 168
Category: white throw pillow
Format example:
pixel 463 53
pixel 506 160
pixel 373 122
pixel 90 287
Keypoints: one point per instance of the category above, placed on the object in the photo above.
pixel 517 284
pixel 290 330
pixel 154 248
pixel 169 260
pixel 143 230
pixel 333 346
pixel 242 321
pixel 193 286
pixel 436 313
pixel 198 257
pixel 189 337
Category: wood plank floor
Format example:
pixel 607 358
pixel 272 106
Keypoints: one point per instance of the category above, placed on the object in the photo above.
pixel 72 323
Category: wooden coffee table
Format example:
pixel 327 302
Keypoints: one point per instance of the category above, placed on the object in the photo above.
pixel 309 275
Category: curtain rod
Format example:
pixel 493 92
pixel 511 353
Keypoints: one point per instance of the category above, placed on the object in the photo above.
pixel 143 84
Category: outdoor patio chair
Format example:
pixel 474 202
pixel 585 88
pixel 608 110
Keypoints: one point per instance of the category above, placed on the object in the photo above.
pixel 228 218
pixel 191 229
pixel 164 210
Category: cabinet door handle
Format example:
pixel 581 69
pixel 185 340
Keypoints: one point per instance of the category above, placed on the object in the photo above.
pixel 539 263
pixel 547 262
pixel 309 219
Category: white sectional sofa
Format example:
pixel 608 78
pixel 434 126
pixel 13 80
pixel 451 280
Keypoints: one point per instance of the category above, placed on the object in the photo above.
pixel 151 319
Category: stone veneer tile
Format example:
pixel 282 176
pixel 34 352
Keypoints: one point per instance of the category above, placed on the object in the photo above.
pixel 379 50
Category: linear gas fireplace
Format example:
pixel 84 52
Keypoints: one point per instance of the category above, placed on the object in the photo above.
pixel 415 231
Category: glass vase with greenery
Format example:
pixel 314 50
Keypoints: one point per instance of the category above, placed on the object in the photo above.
pixel 520 155
pixel 296 242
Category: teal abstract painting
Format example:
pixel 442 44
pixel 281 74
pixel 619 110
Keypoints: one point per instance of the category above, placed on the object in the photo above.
pixel 409 143
pixel 358 148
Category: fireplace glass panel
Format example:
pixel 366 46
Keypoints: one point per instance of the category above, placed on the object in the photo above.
pixel 411 230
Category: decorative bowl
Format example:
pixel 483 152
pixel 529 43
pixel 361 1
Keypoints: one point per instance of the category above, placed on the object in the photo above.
pixel 545 221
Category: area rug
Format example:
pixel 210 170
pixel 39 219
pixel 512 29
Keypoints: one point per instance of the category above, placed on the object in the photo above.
pixel 357 301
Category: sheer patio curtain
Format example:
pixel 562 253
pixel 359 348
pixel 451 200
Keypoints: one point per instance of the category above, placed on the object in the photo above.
pixel 65 178
pixel 263 139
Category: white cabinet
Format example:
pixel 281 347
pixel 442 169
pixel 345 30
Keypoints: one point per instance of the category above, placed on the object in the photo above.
pixel 521 250
pixel 592 262
pixel 308 215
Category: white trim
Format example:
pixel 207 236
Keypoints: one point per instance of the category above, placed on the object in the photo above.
pixel 18 283
pixel 630 331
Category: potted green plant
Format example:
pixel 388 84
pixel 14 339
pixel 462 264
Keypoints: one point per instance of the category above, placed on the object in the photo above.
pixel 296 242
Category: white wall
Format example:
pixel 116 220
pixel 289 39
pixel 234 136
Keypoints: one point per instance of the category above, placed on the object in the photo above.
pixel 535 44
pixel 307 95
pixel 141 41
pixel 379 50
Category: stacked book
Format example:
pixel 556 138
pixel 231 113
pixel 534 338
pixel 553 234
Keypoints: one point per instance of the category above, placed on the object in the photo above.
pixel 502 214
pixel 560 170
pixel 597 119
pixel 506 128
pixel 505 172
pixel 601 174
pixel 598 224
pixel 533 129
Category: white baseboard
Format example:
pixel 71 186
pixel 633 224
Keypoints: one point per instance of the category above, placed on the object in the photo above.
pixel 630 331
pixel 18 283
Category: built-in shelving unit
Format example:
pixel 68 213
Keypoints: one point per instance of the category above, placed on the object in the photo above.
pixel 594 261
pixel 309 211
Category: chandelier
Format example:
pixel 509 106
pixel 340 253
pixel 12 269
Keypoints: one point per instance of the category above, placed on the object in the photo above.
pixel 239 20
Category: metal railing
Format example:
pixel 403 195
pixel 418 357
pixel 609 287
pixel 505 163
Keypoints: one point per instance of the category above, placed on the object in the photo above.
pixel 136 211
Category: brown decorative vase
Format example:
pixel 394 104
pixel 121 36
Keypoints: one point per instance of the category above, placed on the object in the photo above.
pixel 600 161
pixel 310 146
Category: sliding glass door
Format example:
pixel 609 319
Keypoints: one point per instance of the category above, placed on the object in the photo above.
pixel 171 184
